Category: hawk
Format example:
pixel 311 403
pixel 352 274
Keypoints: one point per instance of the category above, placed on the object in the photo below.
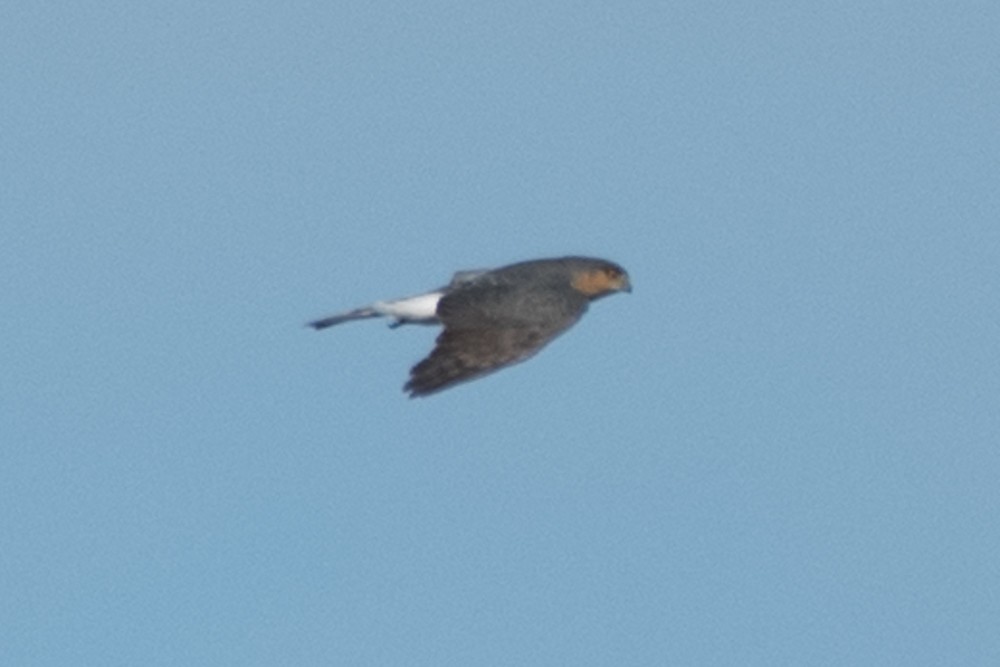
pixel 494 318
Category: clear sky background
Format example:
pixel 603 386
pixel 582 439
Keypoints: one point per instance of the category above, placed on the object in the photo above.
pixel 782 449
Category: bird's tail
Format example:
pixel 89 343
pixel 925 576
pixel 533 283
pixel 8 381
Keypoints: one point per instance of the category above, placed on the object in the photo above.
pixel 357 314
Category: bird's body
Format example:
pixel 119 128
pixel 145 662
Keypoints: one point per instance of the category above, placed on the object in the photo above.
pixel 495 318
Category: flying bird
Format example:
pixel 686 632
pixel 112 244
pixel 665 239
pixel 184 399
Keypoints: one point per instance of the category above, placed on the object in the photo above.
pixel 496 317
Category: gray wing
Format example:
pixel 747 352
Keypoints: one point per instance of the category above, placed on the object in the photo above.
pixel 491 327
pixel 462 278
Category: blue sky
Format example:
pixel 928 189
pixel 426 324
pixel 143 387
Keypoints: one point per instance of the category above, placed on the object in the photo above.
pixel 781 449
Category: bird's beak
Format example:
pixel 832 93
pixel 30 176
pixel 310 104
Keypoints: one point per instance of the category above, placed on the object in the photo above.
pixel 626 285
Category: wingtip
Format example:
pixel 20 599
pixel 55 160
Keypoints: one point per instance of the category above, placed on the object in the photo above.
pixel 420 390
pixel 413 392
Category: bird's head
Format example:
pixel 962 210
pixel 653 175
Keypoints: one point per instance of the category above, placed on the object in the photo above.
pixel 597 278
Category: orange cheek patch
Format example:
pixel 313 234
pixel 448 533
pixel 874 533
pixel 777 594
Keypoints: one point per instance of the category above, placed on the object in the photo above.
pixel 592 282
